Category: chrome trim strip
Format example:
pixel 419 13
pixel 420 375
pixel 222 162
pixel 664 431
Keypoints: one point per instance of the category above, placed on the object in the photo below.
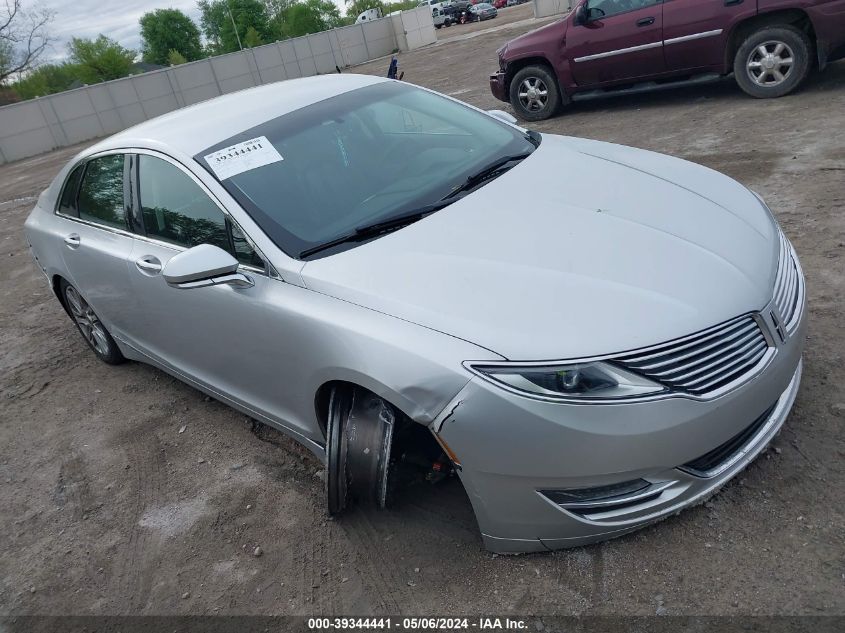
pixel 620 51
pixel 643 495
pixel 643 47
pixel 755 444
pixel 476 367
pixel 694 36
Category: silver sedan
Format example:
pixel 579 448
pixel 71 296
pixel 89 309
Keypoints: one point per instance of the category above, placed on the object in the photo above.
pixel 590 336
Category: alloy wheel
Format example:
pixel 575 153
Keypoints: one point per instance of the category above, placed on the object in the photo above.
pixel 87 321
pixel 770 64
pixel 533 94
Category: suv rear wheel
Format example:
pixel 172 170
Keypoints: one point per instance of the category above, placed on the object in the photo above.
pixel 534 93
pixel 773 61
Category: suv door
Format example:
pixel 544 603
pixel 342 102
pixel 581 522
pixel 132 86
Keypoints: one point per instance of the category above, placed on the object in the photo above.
pixel 695 32
pixel 97 242
pixel 621 39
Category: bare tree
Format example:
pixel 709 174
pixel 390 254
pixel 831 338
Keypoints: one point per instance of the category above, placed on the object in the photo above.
pixel 23 37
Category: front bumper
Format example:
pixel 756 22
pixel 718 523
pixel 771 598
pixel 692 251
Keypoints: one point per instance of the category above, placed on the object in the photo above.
pixel 512 447
pixel 497 86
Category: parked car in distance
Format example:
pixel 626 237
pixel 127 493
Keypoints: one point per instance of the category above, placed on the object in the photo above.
pixel 349 259
pixel 483 11
pixel 608 47
pixel 441 18
pixel 500 4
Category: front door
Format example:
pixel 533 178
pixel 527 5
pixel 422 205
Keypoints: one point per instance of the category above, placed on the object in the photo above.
pixel 621 40
pixel 215 336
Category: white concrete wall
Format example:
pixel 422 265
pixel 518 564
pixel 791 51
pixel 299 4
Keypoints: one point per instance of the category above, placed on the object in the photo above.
pixel 414 28
pixel 37 126
pixel 545 8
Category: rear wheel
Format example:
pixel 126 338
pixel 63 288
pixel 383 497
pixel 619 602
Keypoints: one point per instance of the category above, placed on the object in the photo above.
pixel 90 326
pixel 534 93
pixel 359 438
pixel 773 61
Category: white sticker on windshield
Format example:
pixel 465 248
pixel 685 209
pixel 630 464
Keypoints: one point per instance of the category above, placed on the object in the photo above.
pixel 236 159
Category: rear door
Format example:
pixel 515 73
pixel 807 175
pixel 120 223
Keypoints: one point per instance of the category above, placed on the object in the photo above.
pixel 96 239
pixel 621 40
pixel 695 32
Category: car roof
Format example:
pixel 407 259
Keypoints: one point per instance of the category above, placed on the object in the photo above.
pixel 191 129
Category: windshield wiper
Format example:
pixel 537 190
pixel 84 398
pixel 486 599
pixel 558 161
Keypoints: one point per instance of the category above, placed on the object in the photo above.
pixel 367 231
pixel 487 172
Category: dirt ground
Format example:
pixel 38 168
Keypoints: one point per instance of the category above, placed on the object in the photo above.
pixel 107 508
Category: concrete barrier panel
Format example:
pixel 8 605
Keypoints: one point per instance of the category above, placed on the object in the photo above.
pixel 271 66
pixel 27 144
pixel 545 8
pixel 380 37
pixel 21 117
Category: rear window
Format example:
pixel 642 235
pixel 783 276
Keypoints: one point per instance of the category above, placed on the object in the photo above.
pixel 67 203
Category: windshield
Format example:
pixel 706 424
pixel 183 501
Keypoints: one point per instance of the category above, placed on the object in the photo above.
pixel 362 157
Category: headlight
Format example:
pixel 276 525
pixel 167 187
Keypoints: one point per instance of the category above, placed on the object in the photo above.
pixel 583 381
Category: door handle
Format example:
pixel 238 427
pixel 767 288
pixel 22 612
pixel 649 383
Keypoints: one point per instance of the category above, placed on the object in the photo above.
pixel 650 21
pixel 732 3
pixel 72 240
pixel 149 264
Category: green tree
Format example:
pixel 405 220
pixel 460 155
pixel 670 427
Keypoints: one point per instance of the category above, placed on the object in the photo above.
pixel 165 30
pixel 46 80
pixel 174 58
pixel 310 16
pixel 217 23
pixel 252 38
pixel 101 59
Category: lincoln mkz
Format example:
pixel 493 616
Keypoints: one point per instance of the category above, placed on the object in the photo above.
pixel 592 337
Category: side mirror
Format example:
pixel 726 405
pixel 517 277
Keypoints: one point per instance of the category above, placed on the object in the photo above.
pixel 507 117
pixel 580 15
pixel 202 266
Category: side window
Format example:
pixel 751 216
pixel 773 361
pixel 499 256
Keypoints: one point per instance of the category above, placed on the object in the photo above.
pixel 175 209
pixel 244 253
pixel 101 193
pixel 67 203
pixel 599 9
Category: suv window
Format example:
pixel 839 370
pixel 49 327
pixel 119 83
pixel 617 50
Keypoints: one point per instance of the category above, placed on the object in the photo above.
pixel 101 194
pixel 175 209
pixel 67 203
pixel 598 9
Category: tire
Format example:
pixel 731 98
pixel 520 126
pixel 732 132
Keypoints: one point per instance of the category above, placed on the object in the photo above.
pixel 90 326
pixel 766 76
pixel 359 437
pixel 542 104
pixel 437 26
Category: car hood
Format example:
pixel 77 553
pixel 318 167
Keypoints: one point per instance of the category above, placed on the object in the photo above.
pixel 583 249
pixel 533 41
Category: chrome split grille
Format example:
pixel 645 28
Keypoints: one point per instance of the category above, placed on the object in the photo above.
pixel 787 284
pixel 705 362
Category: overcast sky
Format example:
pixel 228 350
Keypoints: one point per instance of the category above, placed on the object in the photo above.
pixel 117 19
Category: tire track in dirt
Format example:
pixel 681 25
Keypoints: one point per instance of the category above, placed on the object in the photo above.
pixel 385 588
pixel 145 461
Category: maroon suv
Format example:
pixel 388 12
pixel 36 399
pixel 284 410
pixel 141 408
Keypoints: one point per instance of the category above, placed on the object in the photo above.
pixel 627 46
